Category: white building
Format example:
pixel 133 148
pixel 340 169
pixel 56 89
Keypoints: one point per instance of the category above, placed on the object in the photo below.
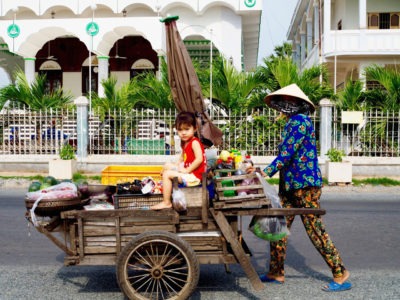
pixel 123 37
pixel 346 35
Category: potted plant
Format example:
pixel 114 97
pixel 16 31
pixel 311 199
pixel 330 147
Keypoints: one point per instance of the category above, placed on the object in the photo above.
pixel 63 167
pixel 338 170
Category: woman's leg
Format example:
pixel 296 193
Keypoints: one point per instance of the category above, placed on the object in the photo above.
pixel 278 248
pixel 316 231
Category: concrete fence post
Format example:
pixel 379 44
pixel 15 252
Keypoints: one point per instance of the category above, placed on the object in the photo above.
pixel 82 126
pixel 325 129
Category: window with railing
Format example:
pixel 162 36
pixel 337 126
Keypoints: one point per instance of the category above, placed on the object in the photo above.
pixel 384 20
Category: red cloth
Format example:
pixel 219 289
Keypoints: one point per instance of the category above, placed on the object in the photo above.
pixel 188 158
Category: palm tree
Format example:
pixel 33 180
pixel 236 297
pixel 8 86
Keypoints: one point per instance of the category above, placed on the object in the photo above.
pixel 281 71
pixel 147 91
pixel 351 97
pixel 389 79
pixel 35 96
pixel 231 88
pixel 114 99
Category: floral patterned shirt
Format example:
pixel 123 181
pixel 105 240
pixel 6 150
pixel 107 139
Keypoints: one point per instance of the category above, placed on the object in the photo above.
pixel 297 159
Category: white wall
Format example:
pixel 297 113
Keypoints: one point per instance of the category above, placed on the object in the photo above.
pixel 72 82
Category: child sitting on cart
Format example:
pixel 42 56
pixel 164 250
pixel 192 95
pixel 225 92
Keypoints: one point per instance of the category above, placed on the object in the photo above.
pixel 191 164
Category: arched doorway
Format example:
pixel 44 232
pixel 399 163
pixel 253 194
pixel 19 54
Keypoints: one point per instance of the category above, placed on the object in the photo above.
pixel 90 80
pixel 53 73
pixel 141 66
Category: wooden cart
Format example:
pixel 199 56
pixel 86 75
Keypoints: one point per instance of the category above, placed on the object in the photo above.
pixel 157 253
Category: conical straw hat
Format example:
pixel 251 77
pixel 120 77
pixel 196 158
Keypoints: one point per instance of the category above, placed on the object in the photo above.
pixel 292 92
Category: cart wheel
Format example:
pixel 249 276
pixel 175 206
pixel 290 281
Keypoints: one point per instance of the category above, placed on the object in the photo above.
pixel 157 265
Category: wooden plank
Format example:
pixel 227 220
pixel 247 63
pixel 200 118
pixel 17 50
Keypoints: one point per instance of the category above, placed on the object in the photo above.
pixel 237 249
pixel 57 242
pixel 118 235
pixel 204 243
pixel 80 238
pixel 72 236
pixel 133 229
pixel 140 229
pixel 242 204
pixel 274 212
pixel 196 226
pixel 204 200
pixel 112 213
pixel 89 249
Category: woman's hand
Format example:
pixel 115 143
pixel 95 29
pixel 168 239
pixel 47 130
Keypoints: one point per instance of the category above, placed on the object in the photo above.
pixel 250 169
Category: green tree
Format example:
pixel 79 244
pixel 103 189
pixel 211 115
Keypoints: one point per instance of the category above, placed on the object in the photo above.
pixel 35 96
pixel 147 91
pixel 233 89
pixel 351 97
pixel 281 71
pixel 389 79
pixel 114 99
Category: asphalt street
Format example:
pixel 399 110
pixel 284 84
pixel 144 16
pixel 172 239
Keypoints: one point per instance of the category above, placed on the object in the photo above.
pixel 363 225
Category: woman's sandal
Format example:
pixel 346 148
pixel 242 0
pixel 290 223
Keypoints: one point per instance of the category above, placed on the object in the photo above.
pixel 265 278
pixel 337 287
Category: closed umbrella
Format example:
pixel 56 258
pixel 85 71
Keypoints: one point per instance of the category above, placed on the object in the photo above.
pixel 185 86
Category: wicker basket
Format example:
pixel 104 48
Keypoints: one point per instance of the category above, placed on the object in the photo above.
pixel 133 201
pixel 53 207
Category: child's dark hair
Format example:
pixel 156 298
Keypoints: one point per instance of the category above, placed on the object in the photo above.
pixel 185 118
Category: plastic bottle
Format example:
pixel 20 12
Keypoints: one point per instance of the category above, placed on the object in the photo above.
pixel 247 162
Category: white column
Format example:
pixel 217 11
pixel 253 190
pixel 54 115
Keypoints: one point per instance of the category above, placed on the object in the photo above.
pixel 30 69
pixel 362 78
pixel 326 42
pixel 102 73
pixel 302 47
pixel 298 54
pixel 160 55
pixel 316 21
pixel 362 11
pixel 325 129
pixel 82 127
pixel 309 36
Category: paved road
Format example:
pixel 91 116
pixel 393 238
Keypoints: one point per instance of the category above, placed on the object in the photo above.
pixel 363 226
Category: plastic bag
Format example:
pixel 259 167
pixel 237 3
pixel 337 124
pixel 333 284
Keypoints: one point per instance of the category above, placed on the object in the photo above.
pixel 147 185
pixel 178 200
pixel 64 190
pixel 270 191
pixel 269 228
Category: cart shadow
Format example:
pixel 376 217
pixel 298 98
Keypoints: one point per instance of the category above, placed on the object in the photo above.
pixel 90 279
pixel 215 278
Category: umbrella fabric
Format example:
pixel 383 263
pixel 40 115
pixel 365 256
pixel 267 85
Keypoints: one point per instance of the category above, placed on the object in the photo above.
pixel 185 86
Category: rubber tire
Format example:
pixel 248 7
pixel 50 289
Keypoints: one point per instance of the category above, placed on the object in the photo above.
pixel 158 240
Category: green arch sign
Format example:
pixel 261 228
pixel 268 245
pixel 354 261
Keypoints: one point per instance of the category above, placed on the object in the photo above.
pixel 13 31
pixel 249 3
pixel 92 28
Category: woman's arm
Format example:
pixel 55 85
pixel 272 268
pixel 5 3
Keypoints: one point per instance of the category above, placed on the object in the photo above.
pixel 295 132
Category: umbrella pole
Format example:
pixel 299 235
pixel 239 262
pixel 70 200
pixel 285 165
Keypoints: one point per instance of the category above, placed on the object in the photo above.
pixel 211 75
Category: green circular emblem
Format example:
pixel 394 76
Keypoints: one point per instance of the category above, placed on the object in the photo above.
pixel 13 30
pixel 249 3
pixel 92 28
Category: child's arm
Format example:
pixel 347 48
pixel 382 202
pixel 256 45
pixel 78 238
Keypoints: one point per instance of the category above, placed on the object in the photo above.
pixel 198 154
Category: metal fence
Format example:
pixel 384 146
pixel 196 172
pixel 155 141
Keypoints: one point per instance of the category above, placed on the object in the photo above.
pixel 369 133
pixel 151 132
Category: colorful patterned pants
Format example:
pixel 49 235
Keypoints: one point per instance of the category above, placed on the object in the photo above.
pixel 315 228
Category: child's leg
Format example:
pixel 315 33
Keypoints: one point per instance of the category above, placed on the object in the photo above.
pixel 168 175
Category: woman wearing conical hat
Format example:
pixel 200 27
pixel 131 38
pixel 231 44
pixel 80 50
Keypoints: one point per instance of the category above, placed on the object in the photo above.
pixel 300 184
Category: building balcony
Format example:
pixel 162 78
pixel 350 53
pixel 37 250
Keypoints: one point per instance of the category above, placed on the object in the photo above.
pixel 361 42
